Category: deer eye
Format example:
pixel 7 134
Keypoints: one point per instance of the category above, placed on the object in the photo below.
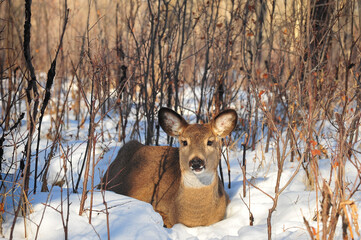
pixel 184 143
pixel 209 143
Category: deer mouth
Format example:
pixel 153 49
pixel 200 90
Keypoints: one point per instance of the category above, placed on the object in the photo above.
pixel 197 165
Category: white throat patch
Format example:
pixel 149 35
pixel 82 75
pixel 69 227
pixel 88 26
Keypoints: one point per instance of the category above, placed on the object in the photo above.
pixel 197 180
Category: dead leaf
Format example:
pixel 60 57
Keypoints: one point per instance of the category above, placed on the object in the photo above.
pixel 261 93
pixel 315 152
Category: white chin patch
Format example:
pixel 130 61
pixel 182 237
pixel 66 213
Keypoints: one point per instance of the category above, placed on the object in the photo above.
pixel 198 179
pixel 199 170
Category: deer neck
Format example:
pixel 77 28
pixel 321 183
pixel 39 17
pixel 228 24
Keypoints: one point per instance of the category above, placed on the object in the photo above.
pixel 200 201
pixel 202 186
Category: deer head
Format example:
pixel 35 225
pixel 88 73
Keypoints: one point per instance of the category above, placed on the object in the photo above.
pixel 199 144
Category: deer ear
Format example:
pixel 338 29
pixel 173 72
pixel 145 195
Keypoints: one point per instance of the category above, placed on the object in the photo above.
pixel 171 122
pixel 224 123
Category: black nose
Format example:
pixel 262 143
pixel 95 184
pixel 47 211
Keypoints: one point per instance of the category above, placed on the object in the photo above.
pixel 196 164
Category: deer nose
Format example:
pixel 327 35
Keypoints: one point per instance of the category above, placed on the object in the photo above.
pixel 196 164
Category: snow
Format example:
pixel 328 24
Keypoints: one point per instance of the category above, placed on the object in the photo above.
pixel 133 219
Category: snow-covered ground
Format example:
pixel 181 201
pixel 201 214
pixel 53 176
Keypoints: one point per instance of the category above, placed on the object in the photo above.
pixel 133 219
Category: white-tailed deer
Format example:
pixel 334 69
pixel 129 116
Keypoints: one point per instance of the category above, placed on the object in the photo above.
pixel 181 183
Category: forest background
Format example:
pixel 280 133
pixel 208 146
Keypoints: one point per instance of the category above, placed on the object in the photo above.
pixel 289 68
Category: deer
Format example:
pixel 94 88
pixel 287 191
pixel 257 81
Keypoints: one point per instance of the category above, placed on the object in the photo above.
pixel 181 183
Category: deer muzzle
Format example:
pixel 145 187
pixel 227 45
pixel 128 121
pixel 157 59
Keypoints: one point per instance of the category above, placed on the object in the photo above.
pixel 197 165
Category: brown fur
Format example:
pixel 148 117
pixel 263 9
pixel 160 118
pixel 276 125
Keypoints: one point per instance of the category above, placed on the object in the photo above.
pixel 156 174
